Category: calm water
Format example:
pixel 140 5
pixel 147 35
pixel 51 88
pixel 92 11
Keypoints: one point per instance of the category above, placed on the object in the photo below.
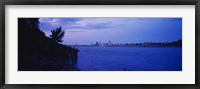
pixel 129 58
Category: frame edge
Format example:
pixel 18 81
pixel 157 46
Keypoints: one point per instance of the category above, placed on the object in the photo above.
pixel 197 42
pixel 2 43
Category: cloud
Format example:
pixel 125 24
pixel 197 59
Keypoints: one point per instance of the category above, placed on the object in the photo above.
pixel 58 21
pixel 89 30
pixel 88 24
pixel 78 23
pixel 75 30
pixel 97 23
pixel 50 21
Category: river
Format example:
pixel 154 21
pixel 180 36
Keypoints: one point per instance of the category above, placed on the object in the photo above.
pixel 129 58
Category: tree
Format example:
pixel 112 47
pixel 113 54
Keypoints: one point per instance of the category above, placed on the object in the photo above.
pixel 57 34
pixel 27 23
pixel 33 23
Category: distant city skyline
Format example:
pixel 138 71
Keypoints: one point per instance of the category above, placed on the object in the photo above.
pixel 85 31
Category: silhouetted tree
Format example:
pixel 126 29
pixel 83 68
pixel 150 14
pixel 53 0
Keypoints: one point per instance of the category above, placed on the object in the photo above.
pixel 29 35
pixel 37 52
pixel 57 34
pixel 27 23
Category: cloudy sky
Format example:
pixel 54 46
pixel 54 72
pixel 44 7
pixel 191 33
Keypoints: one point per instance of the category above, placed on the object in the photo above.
pixel 85 31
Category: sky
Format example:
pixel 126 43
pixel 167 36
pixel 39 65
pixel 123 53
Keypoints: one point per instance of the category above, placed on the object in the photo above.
pixel 85 31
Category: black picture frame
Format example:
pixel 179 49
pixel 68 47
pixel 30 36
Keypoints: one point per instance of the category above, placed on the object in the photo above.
pixel 98 2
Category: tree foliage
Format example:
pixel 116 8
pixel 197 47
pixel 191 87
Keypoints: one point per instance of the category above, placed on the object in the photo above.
pixel 36 52
pixel 57 34
pixel 27 23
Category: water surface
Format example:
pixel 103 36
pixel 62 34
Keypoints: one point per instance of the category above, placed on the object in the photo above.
pixel 129 58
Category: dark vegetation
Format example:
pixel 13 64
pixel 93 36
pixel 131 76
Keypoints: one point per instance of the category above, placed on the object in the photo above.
pixel 57 34
pixel 177 43
pixel 36 52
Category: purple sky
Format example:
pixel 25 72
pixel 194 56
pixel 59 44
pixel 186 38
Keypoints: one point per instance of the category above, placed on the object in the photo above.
pixel 117 30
